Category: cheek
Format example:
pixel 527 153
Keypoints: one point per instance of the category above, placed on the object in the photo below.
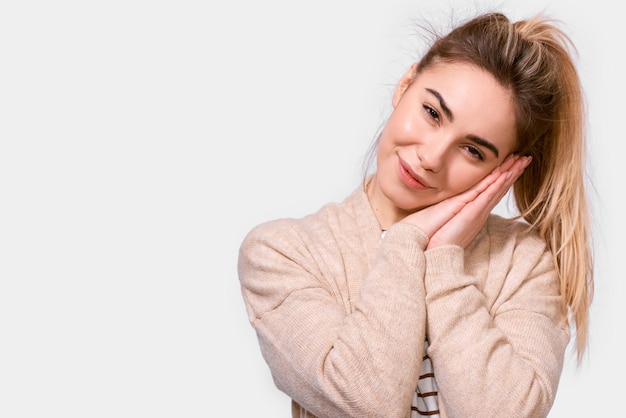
pixel 463 180
pixel 404 126
pixel 385 161
pixel 385 148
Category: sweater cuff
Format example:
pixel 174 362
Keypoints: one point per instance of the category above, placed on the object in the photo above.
pixel 446 259
pixel 406 235
pixel 445 269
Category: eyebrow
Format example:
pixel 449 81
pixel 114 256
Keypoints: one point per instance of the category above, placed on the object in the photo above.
pixel 476 139
pixel 442 103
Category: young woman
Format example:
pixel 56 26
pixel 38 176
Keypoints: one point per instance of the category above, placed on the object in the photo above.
pixel 410 297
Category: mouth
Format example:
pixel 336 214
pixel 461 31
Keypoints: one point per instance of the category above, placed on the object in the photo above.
pixel 409 178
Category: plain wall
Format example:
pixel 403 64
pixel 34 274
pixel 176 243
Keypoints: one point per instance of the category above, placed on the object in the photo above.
pixel 140 141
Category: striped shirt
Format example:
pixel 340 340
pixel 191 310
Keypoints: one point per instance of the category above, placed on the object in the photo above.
pixel 425 396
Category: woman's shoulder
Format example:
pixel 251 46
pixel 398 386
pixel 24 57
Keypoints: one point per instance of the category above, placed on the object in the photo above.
pixel 330 219
pixel 276 233
pixel 290 231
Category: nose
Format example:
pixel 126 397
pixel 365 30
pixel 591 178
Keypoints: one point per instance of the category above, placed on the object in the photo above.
pixel 431 154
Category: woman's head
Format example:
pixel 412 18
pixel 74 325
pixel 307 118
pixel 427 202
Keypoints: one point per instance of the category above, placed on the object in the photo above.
pixel 452 124
pixel 530 63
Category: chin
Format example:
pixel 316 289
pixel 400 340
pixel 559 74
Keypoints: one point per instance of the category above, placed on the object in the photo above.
pixel 408 205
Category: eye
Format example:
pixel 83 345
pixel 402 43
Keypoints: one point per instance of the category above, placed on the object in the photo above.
pixel 475 152
pixel 431 113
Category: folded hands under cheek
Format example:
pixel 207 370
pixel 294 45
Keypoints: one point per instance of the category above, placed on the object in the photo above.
pixel 457 220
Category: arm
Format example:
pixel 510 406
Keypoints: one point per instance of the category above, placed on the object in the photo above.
pixel 333 360
pixel 503 357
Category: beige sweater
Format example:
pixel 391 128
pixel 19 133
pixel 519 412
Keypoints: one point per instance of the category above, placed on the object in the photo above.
pixel 341 315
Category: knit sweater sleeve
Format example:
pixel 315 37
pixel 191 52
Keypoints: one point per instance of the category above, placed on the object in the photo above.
pixel 332 360
pixel 500 356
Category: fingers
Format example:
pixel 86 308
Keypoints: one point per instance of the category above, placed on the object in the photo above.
pixel 461 216
pixel 514 168
pixel 509 162
pixel 517 167
pixel 482 185
pixel 498 182
pixel 514 162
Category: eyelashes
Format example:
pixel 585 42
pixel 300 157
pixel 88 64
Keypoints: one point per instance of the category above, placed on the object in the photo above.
pixel 432 113
pixel 475 152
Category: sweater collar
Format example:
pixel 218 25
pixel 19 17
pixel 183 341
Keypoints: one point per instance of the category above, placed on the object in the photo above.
pixel 367 223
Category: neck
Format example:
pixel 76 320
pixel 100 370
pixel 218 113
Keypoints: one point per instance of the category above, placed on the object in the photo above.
pixel 385 211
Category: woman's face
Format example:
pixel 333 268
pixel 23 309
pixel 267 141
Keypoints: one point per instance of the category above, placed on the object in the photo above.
pixel 451 126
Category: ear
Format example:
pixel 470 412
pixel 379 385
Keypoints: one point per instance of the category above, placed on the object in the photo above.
pixel 404 84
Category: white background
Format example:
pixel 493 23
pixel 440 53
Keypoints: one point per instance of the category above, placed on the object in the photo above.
pixel 141 140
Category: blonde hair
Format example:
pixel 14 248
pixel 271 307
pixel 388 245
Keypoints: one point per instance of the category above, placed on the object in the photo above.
pixel 533 59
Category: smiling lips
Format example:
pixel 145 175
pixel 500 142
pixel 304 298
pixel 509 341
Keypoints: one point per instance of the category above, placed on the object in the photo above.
pixel 409 178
